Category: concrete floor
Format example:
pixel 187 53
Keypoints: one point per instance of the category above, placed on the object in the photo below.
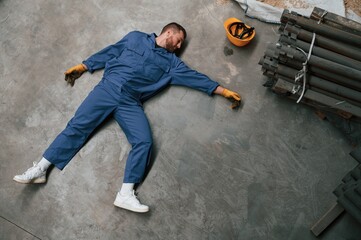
pixel 266 171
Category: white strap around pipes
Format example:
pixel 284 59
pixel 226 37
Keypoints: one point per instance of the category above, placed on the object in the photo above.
pixel 303 71
pixel 322 16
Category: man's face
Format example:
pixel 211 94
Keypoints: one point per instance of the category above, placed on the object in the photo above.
pixel 174 41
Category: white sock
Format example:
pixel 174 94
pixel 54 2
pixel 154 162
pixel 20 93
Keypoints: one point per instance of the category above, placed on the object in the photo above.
pixel 44 164
pixel 127 188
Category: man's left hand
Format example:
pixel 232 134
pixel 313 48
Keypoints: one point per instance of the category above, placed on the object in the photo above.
pixel 233 96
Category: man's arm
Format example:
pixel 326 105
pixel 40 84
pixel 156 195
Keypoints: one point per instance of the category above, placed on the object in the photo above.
pixel 96 61
pixel 99 59
pixel 219 90
pixel 184 76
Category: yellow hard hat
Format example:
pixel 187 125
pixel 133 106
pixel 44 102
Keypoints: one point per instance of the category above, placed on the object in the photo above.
pixel 238 33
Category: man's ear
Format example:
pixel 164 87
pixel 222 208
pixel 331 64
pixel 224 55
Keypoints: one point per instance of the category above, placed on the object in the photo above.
pixel 169 33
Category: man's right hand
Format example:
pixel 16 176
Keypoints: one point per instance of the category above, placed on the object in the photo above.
pixel 74 72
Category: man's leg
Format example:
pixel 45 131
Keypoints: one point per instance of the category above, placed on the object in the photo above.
pixel 133 121
pixel 94 109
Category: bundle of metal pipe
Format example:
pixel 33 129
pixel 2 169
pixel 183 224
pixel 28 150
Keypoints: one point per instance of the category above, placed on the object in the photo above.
pixel 348 198
pixel 349 192
pixel 317 61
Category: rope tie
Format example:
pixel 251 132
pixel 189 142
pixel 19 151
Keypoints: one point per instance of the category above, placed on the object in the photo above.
pixel 321 18
pixel 302 73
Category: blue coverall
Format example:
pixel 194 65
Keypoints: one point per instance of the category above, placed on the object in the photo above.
pixel 135 69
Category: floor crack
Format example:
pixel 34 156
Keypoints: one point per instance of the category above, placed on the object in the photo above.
pixel 19 227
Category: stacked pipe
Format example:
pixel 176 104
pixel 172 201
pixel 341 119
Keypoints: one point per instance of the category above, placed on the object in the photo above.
pixel 317 61
pixel 349 192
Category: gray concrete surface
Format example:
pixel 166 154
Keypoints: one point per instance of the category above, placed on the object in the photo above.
pixel 266 171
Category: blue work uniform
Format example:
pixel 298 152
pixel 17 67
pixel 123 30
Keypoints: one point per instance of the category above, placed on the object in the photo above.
pixel 135 69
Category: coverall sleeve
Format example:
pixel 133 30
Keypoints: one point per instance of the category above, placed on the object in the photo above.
pixel 99 59
pixel 184 76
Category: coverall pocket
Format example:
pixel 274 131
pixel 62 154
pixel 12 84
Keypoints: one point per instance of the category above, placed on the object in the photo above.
pixel 154 70
pixel 133 56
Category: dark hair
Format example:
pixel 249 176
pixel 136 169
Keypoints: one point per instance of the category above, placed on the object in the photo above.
pixel 174 26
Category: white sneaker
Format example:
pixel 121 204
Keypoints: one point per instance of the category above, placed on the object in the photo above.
pixel 32 175
pixel 130 202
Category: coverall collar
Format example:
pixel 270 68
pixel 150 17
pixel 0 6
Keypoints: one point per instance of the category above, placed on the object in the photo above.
pixel 155 46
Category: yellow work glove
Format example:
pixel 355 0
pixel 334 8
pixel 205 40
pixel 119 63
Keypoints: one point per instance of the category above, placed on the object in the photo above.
pixel 233 96
pixel 73 73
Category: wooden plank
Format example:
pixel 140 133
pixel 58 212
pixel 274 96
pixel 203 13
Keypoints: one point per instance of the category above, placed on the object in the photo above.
pixel 327 219
pixel 336 21
pixel 333 103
